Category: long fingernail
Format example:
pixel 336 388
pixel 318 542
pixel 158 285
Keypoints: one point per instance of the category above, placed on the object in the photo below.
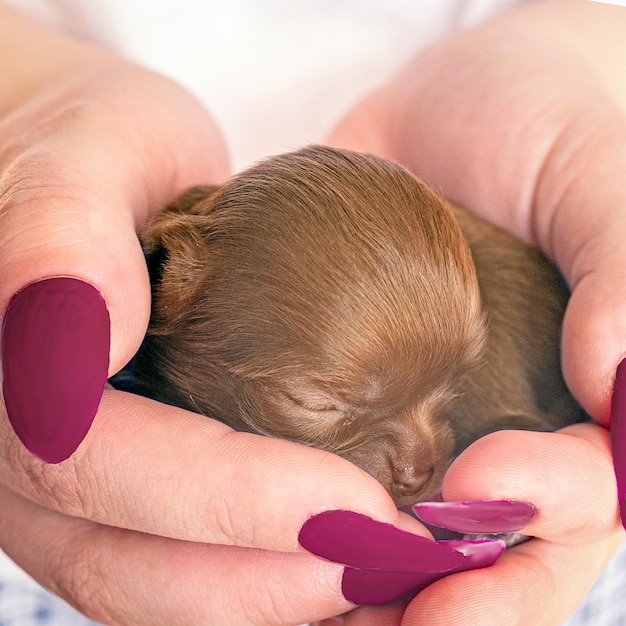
pixel 55 359
pixel 371 588
pixel 618 436
pixel 359 541
pixel 375 588
pixel 477 516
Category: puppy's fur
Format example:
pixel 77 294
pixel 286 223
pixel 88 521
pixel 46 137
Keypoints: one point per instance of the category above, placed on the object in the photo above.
pixel 331 298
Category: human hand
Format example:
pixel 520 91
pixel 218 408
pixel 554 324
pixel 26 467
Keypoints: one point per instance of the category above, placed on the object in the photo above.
pixel 522 121
pixel 155 515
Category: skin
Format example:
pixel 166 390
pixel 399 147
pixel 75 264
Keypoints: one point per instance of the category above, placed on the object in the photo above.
pixel 57 520
pixel 567 62
pixel 118 503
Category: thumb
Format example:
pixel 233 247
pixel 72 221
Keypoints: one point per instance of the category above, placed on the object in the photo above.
pixel 85 163
pixel 586 233
pixel 594 328
pixel 584 230
pixel 594 332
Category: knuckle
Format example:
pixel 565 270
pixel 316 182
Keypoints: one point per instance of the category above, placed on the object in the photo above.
pixel 273 609
pixel 268 600
pixel 79 580
pixel 58 487
pixel 224 527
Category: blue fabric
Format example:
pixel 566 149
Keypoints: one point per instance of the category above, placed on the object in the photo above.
pixel 605 604
pixel 24 603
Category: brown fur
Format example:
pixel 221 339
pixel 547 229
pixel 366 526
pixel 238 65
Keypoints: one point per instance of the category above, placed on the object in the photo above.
pixel 331 298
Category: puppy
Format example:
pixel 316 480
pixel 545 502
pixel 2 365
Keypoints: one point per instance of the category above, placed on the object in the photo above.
pixel 333 299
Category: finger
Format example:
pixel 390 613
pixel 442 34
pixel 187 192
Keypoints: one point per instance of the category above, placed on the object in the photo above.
pixel 594 262
pixel 594 329
pixel 74 191
pixel 579 501
pixel 556 577
pixel 369 616
pixel 123 577
pixel 198 479
pixel 366 127
pixel 581 225
pixel 72 194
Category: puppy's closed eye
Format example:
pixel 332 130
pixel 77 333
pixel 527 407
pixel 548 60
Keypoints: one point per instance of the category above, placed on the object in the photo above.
pixel 313 401
pixel 314 408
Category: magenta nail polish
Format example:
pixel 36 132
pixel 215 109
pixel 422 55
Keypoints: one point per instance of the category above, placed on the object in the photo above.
pixel 375 588
pixel 477 516
pixel 618 436
pixel 55 359
pixel 359 541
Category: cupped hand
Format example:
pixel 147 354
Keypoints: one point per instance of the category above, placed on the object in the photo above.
pixel 158 516
pixel 522 121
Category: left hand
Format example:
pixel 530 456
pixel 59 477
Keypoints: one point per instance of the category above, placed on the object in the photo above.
pixel 522 121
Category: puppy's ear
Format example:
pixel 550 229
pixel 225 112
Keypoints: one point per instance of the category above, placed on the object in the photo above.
pixel 194 201
pixel 177 253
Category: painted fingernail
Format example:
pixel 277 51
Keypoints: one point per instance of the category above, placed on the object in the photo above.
pixel 55 359
pixel 386 564
pixel 375 588
pixel 618 436
pixel 359 541
pixel 371 588
pixel 478 554
pixel 477 516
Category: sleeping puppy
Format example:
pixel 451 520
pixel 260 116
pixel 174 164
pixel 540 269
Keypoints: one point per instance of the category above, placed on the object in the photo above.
pixel 333 299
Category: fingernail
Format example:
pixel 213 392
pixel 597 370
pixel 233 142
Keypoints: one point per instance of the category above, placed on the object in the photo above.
pixel 618 436
pixel 376 588
pixel 477 516
pixel 478 554
pixel 359 541
pixel 386 564
pixel 55 359
pixel 371 588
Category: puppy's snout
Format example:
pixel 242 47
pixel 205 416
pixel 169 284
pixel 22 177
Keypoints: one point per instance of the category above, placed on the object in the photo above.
pixel 409 480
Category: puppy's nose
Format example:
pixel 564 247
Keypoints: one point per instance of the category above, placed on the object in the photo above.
pixel 409 480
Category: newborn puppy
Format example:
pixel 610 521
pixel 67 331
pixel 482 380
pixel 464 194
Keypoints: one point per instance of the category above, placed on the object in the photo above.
pixel 331 298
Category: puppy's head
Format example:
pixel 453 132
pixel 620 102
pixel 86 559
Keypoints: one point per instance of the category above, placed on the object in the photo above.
pixel 323 296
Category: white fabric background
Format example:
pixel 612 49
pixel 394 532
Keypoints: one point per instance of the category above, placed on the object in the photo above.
pixel 275 73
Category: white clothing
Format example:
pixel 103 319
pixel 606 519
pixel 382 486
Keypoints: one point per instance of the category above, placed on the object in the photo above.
pixel 274 73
